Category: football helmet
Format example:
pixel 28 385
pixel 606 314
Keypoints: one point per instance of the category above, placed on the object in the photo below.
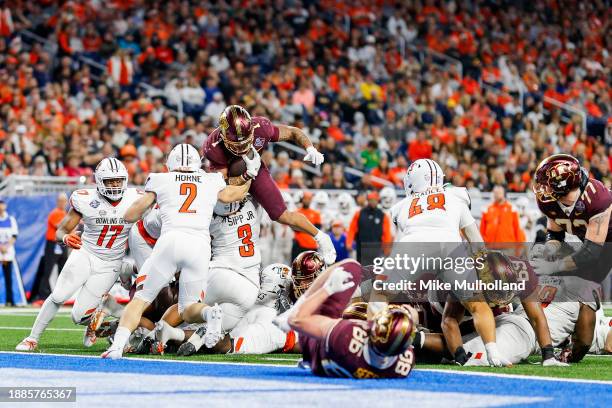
pixel 320 200
pixel 357 310
pixel 111 178
pixel 345 202
pixel 387 197
pixel 304 270
pixel 556 176
pixel 225 209
pixel 392 331
pixel 421 175
pixel 497 267
pixel 184 157
pixel 237 130
pixel 275 282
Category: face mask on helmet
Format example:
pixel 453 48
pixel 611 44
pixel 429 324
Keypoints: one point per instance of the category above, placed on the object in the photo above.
pixel 392 331
pixel 111 178
pixel 556 176
pixel 304 270
pixel 237 130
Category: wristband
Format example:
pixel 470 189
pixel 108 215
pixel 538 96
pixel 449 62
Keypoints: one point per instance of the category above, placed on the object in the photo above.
pixel 548 352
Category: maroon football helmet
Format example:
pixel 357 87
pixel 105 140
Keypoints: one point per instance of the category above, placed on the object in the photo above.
pixel 392 331
pixel 237 130
pixel 556 176
pixel 497 267
pixel 357 310
pixel 304 270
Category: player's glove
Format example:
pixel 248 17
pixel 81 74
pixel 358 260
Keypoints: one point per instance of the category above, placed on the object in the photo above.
pixel 72 240
pixel 546 251
pixel 553 362
pixel 537 252
pixel 544 267
pixel 495 358
pixel 339 281
pixel 326 247
pixel 252 165
pixel 313 156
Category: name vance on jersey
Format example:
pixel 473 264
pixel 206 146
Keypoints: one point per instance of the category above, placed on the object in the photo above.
pixel 188 177
pixel 237 219
pixel 112 220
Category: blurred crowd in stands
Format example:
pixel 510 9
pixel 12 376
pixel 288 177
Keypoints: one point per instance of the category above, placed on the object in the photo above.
pixel 475 85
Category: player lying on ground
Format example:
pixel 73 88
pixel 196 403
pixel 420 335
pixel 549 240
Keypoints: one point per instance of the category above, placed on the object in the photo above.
pixel 186 197
pixel 336 347
pixel 237 135
pixel 433 215
pixel 96 257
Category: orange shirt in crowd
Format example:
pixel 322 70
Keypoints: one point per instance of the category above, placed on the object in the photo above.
pixel 303 239
pixel 500 223
pixel 53 221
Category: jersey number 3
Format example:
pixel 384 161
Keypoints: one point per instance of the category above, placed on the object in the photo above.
pixel 434 201
pixel 191 191
pixel 245 234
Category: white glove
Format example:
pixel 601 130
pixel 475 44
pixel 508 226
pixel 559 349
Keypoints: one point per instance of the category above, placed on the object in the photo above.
pixel 326 247
pixel 282 321
pixel 252 165
pixel 313 156
pixel 537 252
pixel 495 358
pixel 339 281
pixel 544 267
pixel 553 362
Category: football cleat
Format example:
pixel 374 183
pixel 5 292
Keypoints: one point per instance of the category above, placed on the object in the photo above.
pixel 214 326
pixel 27 344
pixel 145 346
pixel 113 353
pixel 90 337
pixel 162 335
pixel 106 329
pixel 195 342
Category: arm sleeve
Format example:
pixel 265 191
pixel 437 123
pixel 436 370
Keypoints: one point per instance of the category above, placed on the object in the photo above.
pixel 350 236
pixel 75 203
pixel 466 217
pixel 218 180
pixel 151 184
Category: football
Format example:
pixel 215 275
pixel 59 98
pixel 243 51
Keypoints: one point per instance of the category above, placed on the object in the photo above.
pixel 237 166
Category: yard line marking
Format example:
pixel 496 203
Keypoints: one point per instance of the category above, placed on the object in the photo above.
pixel 47 329
pixel 517 376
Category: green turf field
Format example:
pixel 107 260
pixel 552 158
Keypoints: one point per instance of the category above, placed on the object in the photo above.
pixel 63 337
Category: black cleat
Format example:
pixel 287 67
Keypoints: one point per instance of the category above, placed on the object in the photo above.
pixel 186 349
pixel 145 346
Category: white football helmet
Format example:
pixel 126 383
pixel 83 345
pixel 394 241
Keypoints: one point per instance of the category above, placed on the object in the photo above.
pixel 184 157
pixel 421 175
pixel 320 200
pixel 387 197
pixel 345 202
pixel 275 282
pixel 224 209
pixel 107 170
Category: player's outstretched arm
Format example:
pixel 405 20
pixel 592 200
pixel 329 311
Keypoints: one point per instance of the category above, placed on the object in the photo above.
pixel 583 333
pixel 231 194
pixel 65 230
pixel 139 207
pixel 303 318
pixel 473 236
pixel 297 136
pixel 537 318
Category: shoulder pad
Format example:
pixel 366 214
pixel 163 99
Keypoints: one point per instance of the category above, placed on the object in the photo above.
pixel 461 193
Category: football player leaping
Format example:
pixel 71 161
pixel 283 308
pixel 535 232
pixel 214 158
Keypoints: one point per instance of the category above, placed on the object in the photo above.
pixel 94 263
pixel 237 134
pixel 186 198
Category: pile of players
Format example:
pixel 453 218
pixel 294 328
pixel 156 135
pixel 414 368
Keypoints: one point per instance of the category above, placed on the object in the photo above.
pixel 197 284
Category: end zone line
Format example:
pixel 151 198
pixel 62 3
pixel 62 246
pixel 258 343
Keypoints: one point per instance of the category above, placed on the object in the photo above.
pixel 517 376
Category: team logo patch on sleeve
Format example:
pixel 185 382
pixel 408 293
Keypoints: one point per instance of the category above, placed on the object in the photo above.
pixel 94 204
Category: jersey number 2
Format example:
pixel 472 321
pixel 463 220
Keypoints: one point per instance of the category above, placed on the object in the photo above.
pixel 116 229
pixel 191 191
pixel 434 201
pixel 245 233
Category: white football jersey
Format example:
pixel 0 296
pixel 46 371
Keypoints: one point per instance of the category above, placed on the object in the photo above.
pixel 105 231
pixel 152 222
pixel 235 241
pixel 436 215
pixel 186 200
pixel 561 298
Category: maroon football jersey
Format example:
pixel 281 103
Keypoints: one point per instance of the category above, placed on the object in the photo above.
pixel 263 189
pixel 341 354
pixel 595 199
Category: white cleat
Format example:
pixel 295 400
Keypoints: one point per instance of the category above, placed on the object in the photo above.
pixel 213 326
pixel 27 344
pixel 113 353
pixel 90 337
